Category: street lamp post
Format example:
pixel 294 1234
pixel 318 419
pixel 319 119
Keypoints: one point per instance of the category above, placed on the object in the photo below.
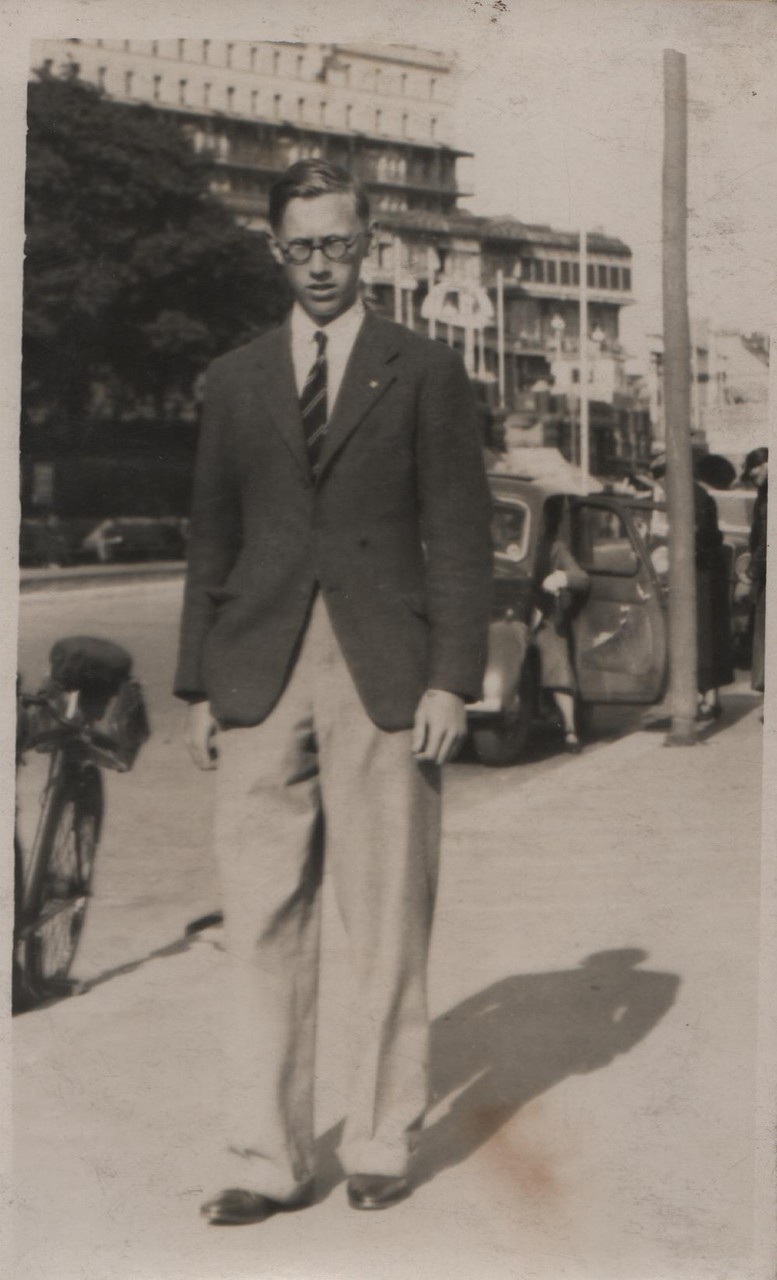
pixel 585 459
pixel 558 326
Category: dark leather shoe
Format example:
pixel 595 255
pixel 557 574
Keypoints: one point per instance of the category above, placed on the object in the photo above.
pixel 236 1207
pixel 376 1191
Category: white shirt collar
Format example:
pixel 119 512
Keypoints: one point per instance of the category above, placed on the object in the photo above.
pixel 343 329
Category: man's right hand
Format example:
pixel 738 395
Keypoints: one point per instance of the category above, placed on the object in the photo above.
pixel 201 729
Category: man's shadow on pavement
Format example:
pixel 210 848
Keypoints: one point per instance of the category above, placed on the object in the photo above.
pixel 497 1050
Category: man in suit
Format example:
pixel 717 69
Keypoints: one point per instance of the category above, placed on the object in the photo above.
pixel 335 621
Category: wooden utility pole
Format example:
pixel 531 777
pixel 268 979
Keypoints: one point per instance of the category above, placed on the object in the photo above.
pixel 584 445
pixel 677 398
pixel 500 334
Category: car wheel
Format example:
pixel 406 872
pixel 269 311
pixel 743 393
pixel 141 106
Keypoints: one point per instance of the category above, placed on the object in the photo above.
pixel 502 740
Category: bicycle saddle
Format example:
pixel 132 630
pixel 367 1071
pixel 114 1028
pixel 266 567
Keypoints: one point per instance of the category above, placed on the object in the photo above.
pixel 89 664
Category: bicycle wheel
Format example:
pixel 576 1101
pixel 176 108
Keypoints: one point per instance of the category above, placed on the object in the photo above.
pixel 61 874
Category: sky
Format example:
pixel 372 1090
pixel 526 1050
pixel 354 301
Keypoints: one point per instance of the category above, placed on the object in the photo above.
pixel 564 111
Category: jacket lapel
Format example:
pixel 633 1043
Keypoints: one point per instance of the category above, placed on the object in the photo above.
pixel 278 389
pixel 367 376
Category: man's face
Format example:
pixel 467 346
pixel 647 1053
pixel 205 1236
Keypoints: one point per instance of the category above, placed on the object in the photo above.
pixel 759 474
pixel 324 289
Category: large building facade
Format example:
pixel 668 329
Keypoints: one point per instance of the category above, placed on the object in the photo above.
pixel 386 114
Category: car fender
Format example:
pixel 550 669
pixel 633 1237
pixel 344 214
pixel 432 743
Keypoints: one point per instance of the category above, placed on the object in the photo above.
pixel 508 645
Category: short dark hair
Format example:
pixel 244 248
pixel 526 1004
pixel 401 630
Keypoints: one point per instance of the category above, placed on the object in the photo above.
pixel 755 458
pixel 309 178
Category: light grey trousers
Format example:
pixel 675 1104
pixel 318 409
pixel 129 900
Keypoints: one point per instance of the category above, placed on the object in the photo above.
pixel 317 777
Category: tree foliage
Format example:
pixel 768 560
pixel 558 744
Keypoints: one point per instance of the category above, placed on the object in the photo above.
pixel 135 274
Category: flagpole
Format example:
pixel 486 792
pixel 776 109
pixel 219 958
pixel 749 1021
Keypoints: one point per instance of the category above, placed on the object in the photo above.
pixel 584 447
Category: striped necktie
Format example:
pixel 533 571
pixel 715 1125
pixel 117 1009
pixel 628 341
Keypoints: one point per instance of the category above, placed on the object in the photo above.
pixel 312 403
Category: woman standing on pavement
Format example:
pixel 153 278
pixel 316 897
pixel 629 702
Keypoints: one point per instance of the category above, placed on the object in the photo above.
pixel 713 614
pixel 756 470
pixel 714 657
pixel 559 578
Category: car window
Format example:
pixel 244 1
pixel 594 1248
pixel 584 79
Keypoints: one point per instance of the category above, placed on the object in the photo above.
pixel 510 533
pixel 603 542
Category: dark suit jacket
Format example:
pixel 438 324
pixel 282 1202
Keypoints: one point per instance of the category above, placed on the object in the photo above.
pixel 395 531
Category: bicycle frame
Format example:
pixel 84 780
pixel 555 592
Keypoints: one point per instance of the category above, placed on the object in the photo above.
pixel 72 779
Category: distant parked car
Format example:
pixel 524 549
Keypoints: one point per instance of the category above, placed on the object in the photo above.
pixel 137 538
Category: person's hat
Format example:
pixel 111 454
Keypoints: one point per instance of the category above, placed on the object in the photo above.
pixel 754 459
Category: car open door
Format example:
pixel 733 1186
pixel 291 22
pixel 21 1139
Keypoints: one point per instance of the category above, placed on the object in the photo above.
pixel 619 633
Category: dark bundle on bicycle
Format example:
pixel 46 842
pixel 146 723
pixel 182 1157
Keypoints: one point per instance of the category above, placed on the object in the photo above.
pixel 88 714
pixel 91 685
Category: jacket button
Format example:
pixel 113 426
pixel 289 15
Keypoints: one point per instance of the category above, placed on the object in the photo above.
pixel 364 542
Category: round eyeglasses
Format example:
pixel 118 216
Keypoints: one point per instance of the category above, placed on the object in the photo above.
pixel 335 248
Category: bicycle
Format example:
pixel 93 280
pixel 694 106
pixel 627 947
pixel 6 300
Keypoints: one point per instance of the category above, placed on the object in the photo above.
pixel 89 715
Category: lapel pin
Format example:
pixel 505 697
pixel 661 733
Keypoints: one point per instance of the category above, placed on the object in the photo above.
pixel 373 383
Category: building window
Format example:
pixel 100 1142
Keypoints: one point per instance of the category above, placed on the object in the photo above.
pixel 404 124
pixel 276 61
pixel 252 57
pixel 229 50
pixel 575 375
pixel 230 99
pixel 432 87
pixel 615 278
pixel 157 88
pixel 206 95
pixel 300 109
pixel 155 48
pixel 550 272
pixel 576 273
pixel 322 112
pixel 254 102
pixel 128 83
pixel 403 82
pixel 626 277
pixel 205 50
pixel 127 46
pixel 378 119
pixel 276 106
pixel 181 48
pixel 433 127
pixel 565 272
pixel 378 80
pixel 602 272
pixel 348 115
pixel 101 73
pixel 590 275
pixel 300 63
pixel 182 93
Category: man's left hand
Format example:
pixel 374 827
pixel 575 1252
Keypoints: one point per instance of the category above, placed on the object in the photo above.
pixel 440 726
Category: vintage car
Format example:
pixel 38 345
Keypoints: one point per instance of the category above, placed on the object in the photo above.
pixel 618 628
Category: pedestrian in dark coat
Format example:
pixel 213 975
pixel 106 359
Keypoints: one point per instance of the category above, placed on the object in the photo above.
pixel 714 658
pixel 559 579
pixel 756 470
